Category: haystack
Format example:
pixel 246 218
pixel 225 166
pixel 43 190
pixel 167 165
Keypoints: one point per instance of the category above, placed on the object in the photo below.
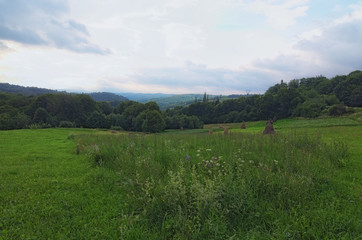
pixel 226 130
pixel 275 118
pixel 269 129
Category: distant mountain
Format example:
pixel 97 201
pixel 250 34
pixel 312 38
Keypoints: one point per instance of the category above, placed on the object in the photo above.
pixel 10 88
pixel 175 100
pixel 106 97
pixel 186 99
pixel 144 97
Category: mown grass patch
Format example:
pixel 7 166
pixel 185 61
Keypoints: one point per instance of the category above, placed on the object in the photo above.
pixel 48 192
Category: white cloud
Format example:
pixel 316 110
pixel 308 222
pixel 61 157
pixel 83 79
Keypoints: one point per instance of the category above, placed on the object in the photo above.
pixel 193 78
pixel 44 23
pixel 176 46
pixel 331 50
pixel 279 14
pixel 182 39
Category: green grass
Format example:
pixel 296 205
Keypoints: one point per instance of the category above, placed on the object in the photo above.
pixel 49 192
pixel 302 183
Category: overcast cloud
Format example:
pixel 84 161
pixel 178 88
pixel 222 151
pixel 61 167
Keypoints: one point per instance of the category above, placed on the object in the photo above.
pixel 176 46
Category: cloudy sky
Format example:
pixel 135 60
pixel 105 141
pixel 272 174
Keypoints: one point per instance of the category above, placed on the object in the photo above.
pixel 176 46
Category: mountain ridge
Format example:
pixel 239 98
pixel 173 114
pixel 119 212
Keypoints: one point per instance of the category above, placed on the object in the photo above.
pixel 164 100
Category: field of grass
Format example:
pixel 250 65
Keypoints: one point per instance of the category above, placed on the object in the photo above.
pixel 302 183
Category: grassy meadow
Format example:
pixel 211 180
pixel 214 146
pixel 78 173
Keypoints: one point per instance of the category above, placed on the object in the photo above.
pixel 304 182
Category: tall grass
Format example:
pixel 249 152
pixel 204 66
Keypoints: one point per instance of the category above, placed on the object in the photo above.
pixel 232 186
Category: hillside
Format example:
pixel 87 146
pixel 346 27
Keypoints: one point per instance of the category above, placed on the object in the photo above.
pixel 10 88
pixel 144 97
pixel 186 100
pixel 35 91
pixel 106 97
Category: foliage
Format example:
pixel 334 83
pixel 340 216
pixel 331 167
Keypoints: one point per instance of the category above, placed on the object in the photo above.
pixel 337 110
pixel 153 122
pixel 66 124
pixel 97 120
pixel 306 97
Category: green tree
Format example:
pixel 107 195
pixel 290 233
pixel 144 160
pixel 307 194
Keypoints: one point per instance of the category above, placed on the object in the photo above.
pixel 104 107
pixel 337 110
pixel 40 116
pixel 153 122
pixel 20 120
pixel 204 99
pixel 115 120
pixel 5 121
pixel 152 106
pixel 97 120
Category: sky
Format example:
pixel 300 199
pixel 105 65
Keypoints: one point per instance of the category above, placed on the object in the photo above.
pixel 176 46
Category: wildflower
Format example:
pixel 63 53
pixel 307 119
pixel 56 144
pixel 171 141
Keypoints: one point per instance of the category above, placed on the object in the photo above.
pixel 198 155
pixel 275 161
pixel 208 150
pixel 187 158
pixel 198 150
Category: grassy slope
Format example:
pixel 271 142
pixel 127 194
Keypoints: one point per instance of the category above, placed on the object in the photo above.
pixel 47 191
pixel 347 129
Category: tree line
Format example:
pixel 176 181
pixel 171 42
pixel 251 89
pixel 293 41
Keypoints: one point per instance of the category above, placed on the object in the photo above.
pixel 307 97
pixel 80 110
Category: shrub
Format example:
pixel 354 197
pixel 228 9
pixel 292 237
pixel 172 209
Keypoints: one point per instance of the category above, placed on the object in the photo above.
pixel 337 110
pixel 66 124
pixel 116 128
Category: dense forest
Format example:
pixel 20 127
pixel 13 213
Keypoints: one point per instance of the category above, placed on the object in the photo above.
pixel 307 97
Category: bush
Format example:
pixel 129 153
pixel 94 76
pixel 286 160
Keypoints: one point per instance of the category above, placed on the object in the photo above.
pixel 116 128
pixel 66 124
pixel 337 110
pixel 39 126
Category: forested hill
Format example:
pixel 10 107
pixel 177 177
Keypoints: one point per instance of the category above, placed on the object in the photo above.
pixel 187 99
pixel 27 91
pixel 306 97
pixel 35 91
pixel 107 97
